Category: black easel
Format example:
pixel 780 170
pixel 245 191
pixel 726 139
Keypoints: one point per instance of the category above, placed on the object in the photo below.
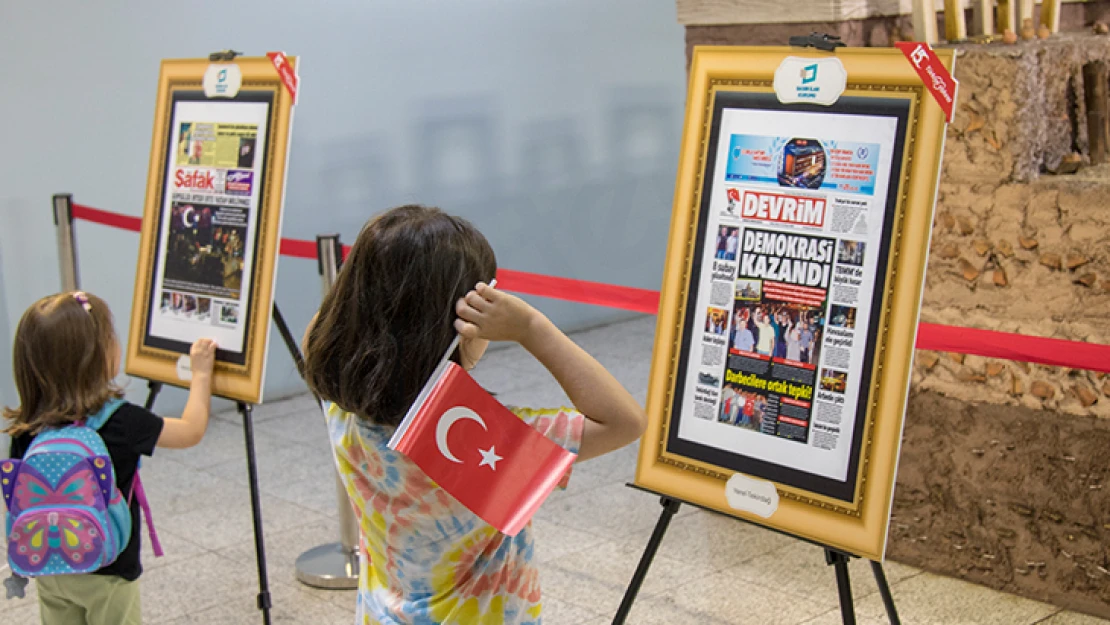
pixel 836 559
pixel 246 410
pixel 264 602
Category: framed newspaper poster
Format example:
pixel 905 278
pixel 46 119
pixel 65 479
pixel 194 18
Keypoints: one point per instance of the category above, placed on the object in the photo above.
pixel 212 222
pixel 790 297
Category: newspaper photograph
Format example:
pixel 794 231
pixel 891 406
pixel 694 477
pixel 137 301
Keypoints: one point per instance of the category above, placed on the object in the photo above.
pixel 787 286
pixel 223 146
pixel 208 222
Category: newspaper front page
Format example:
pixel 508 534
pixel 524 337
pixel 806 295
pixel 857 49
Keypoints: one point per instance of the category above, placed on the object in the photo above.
pixel 785 291
pixel 208 225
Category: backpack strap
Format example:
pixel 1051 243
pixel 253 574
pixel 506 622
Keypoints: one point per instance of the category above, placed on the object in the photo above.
pixel 106 411
pixel 96 422
pixel 8 470
pixel 137 490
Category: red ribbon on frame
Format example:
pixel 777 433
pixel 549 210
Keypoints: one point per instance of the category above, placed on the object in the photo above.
pixel 934 74
pixel 285 70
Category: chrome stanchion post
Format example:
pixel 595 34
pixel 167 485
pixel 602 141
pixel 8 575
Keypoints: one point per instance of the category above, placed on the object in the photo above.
pixel 67 241
pixel 334 565
pixel 330 257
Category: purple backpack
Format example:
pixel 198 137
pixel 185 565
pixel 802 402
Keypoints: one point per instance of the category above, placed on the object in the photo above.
pixel 66 516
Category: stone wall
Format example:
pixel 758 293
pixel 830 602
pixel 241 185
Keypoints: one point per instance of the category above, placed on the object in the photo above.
pixel 1013 498
pixel 868 31
pixel 1004 463
pixel 1016 248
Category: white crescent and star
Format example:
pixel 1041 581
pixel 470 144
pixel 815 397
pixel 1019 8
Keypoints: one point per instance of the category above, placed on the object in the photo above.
pixel 489 458
pixel 461 413
pixel 185 217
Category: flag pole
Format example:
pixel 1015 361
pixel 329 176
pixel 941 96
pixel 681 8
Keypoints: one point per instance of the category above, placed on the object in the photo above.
pixel 455 342
pixel 404 425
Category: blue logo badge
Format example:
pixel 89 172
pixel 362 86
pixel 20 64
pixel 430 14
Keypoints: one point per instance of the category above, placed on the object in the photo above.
pixel 809 74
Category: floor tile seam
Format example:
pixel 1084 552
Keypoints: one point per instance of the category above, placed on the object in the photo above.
pixel 211 471
pixel 252 565
pixel 707 618
pixel 269 532
pixel 238 480
pixel 711 569
pixel 607 532
pixel 279 494
pixel 296 585
pixel 593 467
pixel 734 571
pixel 581 491
pixel 155 563
pixel 554 564
pixel 609 613
pixel 301 509
pixel 1049 617
pixel 919 573
pixel 320 446
pixel 199 606
pixel 256 421
pixel 317 422
pixel 601 532
pixel 568 554
pixel 567 526
pixel 212 502
pixel 349 604
pixel 180 560
pixel 273 440
pixel 814 618
pixel 290 405
pixel 266 541
pixel 591 613
pixel 180 538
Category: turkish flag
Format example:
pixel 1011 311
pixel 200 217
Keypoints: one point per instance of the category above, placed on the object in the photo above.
pixel 496 465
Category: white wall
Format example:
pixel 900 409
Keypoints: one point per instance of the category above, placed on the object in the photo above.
pixel 7 387
pixel 554 126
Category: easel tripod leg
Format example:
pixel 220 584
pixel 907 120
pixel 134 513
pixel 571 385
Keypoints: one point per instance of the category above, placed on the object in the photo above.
pixel 256 512
pixel 154 389
pixel 287 336
pixel 670 507
pixel 884 592
pixel 839 562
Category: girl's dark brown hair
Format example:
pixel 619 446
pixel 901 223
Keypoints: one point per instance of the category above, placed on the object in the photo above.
pixel 63 362
pixel 386 322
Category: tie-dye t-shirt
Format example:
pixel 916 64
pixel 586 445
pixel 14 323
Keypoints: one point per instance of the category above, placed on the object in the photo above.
pixel 425 559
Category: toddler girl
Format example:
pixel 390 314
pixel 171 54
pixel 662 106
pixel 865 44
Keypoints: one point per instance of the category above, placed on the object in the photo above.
pixel 65 359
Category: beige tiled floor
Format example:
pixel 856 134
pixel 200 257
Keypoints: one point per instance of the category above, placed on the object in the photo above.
pixel 710 569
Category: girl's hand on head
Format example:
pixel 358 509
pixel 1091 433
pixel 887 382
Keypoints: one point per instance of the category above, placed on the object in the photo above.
pixel 202 356
pixel 486 313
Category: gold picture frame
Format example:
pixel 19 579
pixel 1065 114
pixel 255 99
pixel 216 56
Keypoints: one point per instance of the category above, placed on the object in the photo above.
pixel 848 512
pixel 212 222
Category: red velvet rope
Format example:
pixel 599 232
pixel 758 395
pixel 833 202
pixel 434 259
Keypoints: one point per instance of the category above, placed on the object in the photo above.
pixel 115 220
pixel 988 343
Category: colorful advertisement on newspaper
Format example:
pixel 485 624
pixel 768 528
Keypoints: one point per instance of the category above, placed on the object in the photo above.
pixel 803 163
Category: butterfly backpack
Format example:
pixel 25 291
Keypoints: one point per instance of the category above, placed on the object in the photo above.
pixel 66 515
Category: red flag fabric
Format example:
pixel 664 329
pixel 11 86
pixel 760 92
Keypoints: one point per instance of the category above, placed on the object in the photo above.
pixel 496 465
